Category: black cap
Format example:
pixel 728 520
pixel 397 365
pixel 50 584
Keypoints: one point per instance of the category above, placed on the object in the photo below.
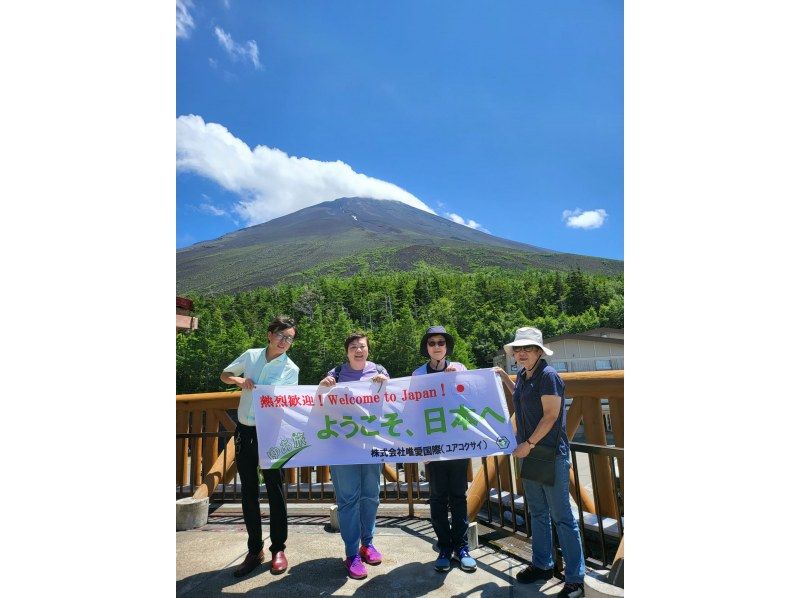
pixel 433 331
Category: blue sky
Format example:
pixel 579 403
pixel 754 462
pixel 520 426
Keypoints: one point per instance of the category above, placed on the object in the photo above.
pixel 505 116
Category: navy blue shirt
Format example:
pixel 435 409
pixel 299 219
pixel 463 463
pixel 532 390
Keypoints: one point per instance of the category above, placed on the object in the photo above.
pixel 528 407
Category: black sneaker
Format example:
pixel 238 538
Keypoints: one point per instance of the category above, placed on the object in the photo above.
pixel 532 574
pixel 571 590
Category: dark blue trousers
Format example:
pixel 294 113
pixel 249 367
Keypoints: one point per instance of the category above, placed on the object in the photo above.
pixel 448 485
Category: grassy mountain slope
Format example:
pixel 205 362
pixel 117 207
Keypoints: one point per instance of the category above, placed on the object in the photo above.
pixel 349 235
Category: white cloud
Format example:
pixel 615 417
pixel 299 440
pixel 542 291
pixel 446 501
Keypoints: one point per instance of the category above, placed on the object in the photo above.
pixel 210 208
pixel 470 223
pixel 578 218
pixel 184 22
pixel 269 182
pixel 238 51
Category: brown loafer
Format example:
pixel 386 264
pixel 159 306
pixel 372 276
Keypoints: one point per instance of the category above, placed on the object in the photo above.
pixel 279 562
pixel 251 561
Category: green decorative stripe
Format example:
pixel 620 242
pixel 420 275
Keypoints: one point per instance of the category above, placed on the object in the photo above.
pixel 282 461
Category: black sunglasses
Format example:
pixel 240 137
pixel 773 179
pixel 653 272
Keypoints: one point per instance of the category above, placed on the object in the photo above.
pixel 437 343
pixel 526 348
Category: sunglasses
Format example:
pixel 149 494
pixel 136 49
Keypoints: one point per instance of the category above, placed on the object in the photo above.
pixel 526 348
pixel 437 343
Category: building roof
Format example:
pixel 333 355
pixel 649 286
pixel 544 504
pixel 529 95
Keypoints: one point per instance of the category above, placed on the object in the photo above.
pixel 595 331
pixel 184 303
pixel 585 337
pixel 184 320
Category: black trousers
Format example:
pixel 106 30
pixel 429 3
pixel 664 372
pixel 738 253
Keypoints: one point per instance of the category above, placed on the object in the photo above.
pixel 247 465
pixel 448 484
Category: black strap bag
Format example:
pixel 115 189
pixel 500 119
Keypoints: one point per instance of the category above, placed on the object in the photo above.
pixel 540 464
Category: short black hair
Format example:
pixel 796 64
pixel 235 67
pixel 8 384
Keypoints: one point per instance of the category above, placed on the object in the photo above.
pixel 356 334
pixel 282 323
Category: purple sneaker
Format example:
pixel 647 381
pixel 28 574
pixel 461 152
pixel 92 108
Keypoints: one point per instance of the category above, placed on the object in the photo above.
pixel 370 555
pixel 355 568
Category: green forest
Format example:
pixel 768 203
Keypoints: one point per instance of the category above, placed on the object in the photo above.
pixel 480 309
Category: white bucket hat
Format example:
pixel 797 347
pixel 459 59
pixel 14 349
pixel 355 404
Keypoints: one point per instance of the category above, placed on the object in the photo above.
pixel 527 335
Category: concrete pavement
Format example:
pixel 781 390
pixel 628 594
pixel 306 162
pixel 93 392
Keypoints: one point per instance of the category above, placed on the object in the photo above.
pixel 206 558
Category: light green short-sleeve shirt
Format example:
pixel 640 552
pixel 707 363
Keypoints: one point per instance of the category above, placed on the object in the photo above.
pixel 253 364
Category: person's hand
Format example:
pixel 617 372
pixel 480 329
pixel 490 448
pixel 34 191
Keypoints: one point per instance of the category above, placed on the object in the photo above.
pixel 328 381
pixel 450 368
pixel 379 378
pixel 247 383
pixel 522 450
pixel 504 378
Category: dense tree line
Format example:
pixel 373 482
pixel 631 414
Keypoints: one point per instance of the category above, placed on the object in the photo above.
pixel 481 310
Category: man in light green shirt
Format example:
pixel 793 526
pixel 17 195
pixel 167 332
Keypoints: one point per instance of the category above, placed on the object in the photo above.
pixel 269 365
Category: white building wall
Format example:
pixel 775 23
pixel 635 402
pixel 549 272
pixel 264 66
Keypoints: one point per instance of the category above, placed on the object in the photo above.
pixel 587 349
pixel 558 349
pixel 572 355
pixel 571 348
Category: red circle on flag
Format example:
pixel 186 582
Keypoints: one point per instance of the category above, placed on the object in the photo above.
pixel 460 387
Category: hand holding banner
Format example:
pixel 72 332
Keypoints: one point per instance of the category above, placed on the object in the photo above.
pixel 449 415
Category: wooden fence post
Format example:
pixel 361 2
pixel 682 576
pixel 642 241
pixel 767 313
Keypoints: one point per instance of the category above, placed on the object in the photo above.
pixel 291 475
pixel 617 406
pixel 210 445
pixel 222 471
pixel 323 473
pixel 390 473
pixel 197 447
pixel 182 449
pixel 596 434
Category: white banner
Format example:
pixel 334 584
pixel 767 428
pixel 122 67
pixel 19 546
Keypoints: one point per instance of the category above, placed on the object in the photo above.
pixel 450 415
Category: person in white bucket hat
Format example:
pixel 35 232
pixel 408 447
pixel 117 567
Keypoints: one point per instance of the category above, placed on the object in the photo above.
pixel 541 418
pixel 527 335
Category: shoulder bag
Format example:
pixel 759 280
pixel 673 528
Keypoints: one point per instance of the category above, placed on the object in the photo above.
pixel 540 463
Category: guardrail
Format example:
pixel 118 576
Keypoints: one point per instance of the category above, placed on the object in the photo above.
pixel 506 508
pixel 205 465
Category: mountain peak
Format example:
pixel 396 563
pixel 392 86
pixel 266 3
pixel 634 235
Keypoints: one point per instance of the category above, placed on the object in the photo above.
pixel 349 234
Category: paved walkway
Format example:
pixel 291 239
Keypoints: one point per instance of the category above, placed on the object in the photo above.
pixel 207 557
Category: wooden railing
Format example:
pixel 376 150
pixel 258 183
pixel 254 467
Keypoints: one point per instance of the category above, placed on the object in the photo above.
pixel 204 413
pixel 210 465
pixel 201 417
pixel 586 389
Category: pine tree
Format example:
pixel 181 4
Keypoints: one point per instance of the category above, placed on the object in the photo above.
pixel 576 299
pixel 480 309
pixel 612 314
pixel 397 344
